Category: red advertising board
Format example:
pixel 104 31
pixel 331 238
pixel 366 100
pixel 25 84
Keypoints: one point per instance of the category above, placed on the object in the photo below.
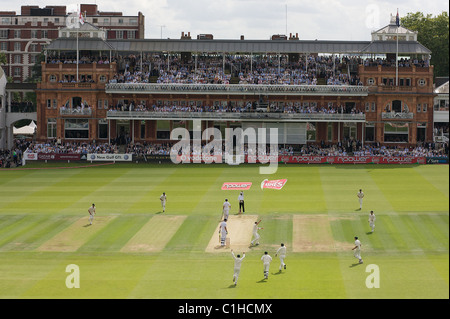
pixel 310 159
pixel 236 186
pixel 58 157
pixel 273 184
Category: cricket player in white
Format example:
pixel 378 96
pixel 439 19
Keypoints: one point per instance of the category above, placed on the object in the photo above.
pixel 226 209
pixel 91 212
pixel 223 231
pixel 372 220
pixel 237 266
pixel 163 199
pixel 360 198
pixel 282 253
pixel 256 236
pixel 241 202
pixel 357 250
pixel 266 259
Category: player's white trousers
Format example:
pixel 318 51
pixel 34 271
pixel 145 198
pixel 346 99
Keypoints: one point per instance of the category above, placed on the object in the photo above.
pixel 256 238
pixel 236 274
pixel 357 253
pixel 266 269
pixel 282 261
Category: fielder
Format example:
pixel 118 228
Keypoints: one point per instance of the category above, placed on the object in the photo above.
pixel 163 199
pixel 256 236
pixel 266 259
pixel 282 252
pixel 223 231
pixel 360 198
pixel 226 209
pixel 357 250
pixel 91 212
pixel 372 220
pixel 237 266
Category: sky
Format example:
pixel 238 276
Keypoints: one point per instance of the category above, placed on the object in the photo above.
pixel 256 19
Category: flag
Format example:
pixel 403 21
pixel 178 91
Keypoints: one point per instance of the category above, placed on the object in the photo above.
pixel 397 20
pixel 81 18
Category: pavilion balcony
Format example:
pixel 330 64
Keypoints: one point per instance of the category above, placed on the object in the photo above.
pixel 236 89
pixel 397 115
pixel 235 116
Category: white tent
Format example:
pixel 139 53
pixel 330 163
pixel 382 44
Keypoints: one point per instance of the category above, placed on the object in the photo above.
pixel 25 130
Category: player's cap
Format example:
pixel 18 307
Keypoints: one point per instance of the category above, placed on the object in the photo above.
pixel 356 237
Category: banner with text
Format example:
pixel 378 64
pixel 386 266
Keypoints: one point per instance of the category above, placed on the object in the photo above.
pixel 110 157
pixel 58 157
pixel 308 159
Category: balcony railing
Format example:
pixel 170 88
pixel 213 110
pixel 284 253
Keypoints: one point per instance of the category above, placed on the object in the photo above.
pixel 153 88
pixel 75 111
pixel 396 115
pixel 236 116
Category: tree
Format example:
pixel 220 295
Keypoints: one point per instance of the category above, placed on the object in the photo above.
pixel 433 33
pixel 3 59
pixel 36 69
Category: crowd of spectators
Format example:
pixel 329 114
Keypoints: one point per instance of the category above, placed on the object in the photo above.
pixel 145 149
pixel 260 69
pixel 348 147
pixel 72 59
pixel 57 147
pixel 266 69
pixel 356 148
pixel 289 107
pixel 13 157
pixel 402 62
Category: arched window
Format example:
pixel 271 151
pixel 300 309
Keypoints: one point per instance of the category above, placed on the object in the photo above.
pixel 397 106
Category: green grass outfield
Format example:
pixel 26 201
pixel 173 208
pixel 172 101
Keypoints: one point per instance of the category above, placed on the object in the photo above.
pixel 134 251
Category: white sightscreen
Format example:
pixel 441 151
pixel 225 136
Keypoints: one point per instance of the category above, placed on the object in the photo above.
pixel 288 133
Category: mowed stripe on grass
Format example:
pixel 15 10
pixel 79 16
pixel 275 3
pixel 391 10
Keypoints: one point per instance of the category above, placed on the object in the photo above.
pixel 27 232
pixel 313 233
pixel 76 235
pixel 155 234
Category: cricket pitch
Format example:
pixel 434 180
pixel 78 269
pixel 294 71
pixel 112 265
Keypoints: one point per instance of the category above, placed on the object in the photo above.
pixel 240 229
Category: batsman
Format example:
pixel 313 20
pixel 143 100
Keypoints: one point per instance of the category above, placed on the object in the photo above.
pixel 223 231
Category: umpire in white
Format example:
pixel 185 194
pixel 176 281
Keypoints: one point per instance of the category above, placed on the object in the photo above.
pixel 241 202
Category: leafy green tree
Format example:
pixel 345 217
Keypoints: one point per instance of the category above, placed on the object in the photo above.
pixel 433 33
pixel 2 58
pixel 36 69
